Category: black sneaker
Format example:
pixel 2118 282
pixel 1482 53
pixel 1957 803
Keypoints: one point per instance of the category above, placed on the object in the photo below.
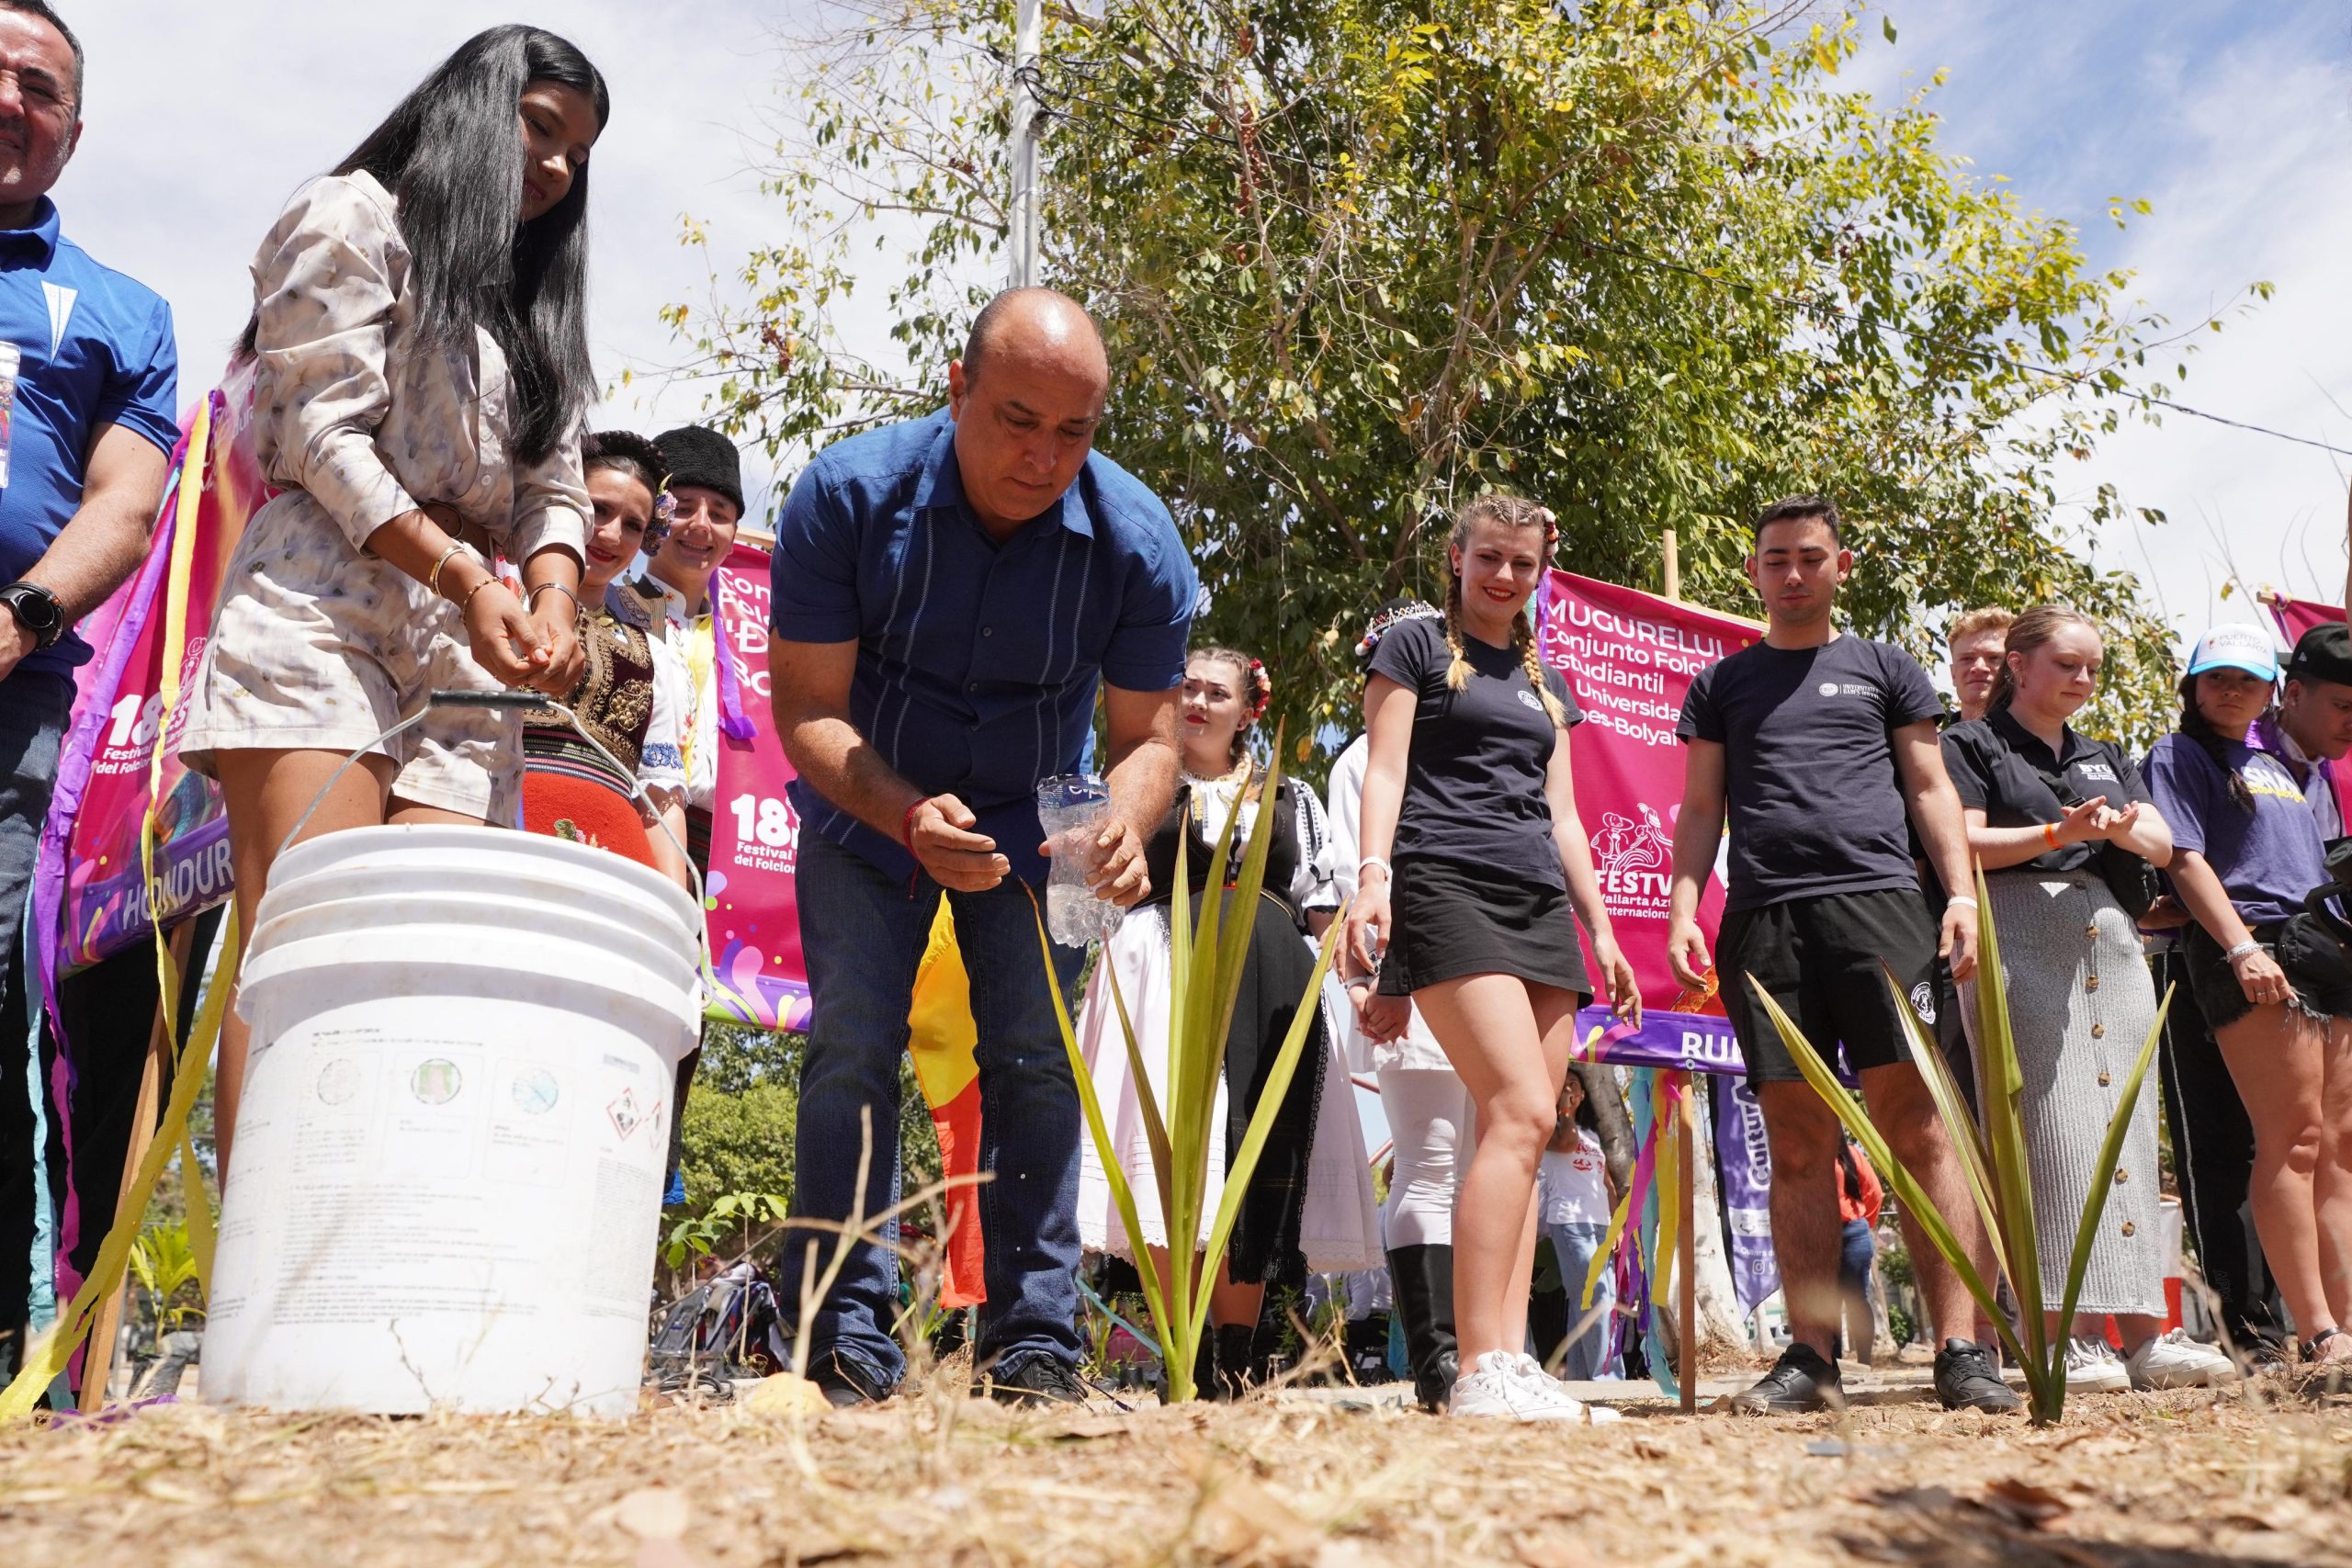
pixel 844 1385
pixel 1037 1381
pixel 1966 1379
pixel 1800 1381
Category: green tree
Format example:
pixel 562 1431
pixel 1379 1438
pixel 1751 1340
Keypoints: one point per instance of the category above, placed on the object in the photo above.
pixel 745 1105
pixel 1357 259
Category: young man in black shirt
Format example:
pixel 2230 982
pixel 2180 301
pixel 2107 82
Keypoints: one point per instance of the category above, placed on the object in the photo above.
pixel 1824 747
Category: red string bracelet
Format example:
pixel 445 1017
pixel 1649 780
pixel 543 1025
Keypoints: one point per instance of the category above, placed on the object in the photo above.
pixel 907 824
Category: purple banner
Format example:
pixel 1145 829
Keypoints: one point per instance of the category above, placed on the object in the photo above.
pixel 1687 1041
pixel 1743 1167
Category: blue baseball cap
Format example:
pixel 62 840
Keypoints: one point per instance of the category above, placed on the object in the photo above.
pixel 2235 645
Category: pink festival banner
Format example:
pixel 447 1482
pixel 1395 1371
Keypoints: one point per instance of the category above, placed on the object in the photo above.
pixel 119 715
pixel 1630 657
pixel 2296 616
pixel 754 917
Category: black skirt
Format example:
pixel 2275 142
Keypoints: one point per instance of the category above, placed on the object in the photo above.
pixel 1449 921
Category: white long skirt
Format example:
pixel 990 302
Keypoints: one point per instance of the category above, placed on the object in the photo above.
pixel 1339 1222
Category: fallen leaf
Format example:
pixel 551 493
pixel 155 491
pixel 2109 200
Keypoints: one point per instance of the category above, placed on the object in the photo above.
pixel 1551 1551
pixel 653 1512
pixel 1239 1514
pixel 2024 1502
pixel 785 1394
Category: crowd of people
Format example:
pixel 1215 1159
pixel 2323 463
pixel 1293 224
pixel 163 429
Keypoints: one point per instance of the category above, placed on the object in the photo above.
pixel 955 599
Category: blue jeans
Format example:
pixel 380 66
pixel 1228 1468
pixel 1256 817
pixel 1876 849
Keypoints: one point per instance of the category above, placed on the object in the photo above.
pixel 1587 1354
pixel 34 707
pixel 862 935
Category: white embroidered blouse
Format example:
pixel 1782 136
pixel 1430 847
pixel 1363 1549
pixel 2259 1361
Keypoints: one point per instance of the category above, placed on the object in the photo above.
pixel 348 409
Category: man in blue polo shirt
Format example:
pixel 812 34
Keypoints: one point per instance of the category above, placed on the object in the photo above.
pixel 88 422
pixel 949 593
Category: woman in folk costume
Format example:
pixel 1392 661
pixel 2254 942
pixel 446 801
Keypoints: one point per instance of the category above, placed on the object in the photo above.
pixel 1308 1205
pixel 634 698
pixel 704 479
pixel 421 350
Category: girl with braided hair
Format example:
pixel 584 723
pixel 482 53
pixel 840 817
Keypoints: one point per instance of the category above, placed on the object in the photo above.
pixel 2273 984
pixel 1308 1206
pixel 1468 787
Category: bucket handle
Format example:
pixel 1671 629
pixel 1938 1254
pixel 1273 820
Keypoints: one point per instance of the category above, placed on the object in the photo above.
pixel 532 701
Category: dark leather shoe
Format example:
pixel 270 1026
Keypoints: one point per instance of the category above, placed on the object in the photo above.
pixel 1966 1379
pixel 1039 1380
pixel 1803 1380
pixel 845 1384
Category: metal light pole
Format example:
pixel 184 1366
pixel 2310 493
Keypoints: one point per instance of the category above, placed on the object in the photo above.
pixel 1028 34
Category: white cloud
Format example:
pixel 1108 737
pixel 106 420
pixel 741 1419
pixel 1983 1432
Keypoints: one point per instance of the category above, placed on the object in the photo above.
pixel 202 119
pixel 2233 122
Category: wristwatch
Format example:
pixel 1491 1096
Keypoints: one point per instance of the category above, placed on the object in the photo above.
pixel 36 610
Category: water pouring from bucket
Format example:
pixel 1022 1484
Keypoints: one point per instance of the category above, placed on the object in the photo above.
pixel 454 1134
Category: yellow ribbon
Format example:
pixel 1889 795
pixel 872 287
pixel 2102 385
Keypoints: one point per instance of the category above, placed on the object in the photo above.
pixel 53 1351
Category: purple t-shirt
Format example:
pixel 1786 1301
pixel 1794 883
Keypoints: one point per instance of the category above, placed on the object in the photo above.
pixel 2266 859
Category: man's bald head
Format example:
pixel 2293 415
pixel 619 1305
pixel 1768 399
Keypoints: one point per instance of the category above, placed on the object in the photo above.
pixel 1025 398
pixel 1041 325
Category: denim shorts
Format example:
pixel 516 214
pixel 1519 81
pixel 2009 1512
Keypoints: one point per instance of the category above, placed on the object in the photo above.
pixel 2314 961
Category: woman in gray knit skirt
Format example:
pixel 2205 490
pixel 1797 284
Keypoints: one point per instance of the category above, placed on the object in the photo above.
pixel 2045 808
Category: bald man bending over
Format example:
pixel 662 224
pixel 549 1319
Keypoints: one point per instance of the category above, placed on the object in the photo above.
pixel 949 593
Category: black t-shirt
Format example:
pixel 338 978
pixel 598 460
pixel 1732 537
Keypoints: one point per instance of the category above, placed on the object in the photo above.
pixel 1993 760
pixel 1474 781
pixel 1809 783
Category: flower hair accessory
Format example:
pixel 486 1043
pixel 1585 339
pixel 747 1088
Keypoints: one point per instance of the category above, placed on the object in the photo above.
pixel 1262 686
pixel 1389 616
pixel 665 512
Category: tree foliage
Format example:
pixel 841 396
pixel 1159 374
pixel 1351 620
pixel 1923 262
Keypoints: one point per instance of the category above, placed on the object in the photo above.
pixel 745 1105
pixel 1357 260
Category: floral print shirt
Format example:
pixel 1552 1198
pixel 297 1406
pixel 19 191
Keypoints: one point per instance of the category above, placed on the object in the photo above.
pixel 350 410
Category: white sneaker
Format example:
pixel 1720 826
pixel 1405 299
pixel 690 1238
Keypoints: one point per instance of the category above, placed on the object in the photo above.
pixel 1530 1371
pixel 1494 1388
pixel 2092 1367
pixel 2175 1360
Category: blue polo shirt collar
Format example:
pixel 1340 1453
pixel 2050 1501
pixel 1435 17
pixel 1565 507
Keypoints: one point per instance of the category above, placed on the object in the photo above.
pixel 39 240
pixel 941 486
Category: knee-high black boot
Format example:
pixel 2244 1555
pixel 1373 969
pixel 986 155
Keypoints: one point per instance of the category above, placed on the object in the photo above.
pixel 1423 1282
pixel 1237 1370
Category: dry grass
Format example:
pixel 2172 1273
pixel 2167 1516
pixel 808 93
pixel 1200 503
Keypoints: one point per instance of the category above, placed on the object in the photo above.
pixel 2187 1479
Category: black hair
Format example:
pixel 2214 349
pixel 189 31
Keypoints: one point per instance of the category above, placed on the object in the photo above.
pixel 626 451
pixel 1849 1175
pixel 2215 744
pixel 1799 509
pixel 1586 1117
pixel 49 13
pixel 451 153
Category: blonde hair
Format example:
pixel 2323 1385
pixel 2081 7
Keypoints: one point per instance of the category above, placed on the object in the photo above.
pixel 1985 619
pixel 1510 512
pixel 2025 633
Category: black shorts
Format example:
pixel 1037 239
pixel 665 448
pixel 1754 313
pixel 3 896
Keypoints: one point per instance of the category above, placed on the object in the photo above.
pixel 1450 919
pixel 2314 963
pixel 1820 959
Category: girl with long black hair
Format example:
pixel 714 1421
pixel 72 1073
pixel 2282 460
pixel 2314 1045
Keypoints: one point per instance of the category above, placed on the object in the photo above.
pixel 1468 787
pixel 2272 985
pixel 420 355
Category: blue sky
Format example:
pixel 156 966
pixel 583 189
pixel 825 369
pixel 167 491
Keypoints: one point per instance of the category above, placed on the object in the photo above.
pixel 2236 121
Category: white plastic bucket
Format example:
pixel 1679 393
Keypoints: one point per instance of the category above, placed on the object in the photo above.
pixel 446 1187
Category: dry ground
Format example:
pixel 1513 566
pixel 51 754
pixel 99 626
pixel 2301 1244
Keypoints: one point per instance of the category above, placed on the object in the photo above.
pixel 2185 1480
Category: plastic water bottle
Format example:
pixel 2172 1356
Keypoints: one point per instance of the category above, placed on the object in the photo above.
pixel 1071 809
